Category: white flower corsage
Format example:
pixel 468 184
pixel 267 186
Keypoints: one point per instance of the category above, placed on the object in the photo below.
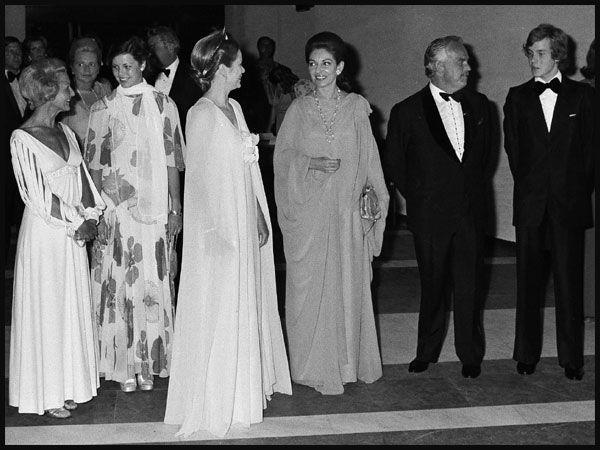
pixel 249 147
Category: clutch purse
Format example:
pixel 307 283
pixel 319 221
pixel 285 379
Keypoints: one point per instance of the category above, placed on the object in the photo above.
pixel 369 205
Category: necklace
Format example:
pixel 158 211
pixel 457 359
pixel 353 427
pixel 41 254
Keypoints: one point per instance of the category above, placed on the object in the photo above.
pixel 329 135
pixel 91 91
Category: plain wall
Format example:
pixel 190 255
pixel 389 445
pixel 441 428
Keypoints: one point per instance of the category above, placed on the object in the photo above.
pixel 14 21
pixel 390 42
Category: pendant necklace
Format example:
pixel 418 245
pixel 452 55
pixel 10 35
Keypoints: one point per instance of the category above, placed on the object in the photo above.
pixel 83 100
pixel 329 135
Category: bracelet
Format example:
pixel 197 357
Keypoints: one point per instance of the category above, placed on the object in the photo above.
pixel 175 213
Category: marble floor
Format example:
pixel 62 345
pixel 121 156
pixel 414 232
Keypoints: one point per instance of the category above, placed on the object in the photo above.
pixel 436 407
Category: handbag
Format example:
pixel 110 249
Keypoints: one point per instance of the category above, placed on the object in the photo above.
pixel 369 204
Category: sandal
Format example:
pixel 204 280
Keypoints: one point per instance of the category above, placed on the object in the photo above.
pixel 70 405
pixel 128 386
pixel 145 383
pixel 58 413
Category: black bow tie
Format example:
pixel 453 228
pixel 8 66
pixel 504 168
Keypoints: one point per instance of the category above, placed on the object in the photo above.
pixel 11 76
pixel 456 96
pixel 165 71
pixel 540 87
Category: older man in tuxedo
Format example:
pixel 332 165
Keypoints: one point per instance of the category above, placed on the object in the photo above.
pixel 437 153
pixel 169 74
pixel 550 138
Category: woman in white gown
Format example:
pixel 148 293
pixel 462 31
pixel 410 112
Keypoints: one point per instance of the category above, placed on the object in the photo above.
pixel 228 351
pixel 52 349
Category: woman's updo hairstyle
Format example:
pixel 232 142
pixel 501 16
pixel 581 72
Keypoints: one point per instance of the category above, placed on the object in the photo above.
pixel 38 82
pixel 334 45
pixel 208 53
pixel 134 46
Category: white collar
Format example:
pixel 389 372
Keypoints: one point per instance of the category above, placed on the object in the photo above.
pixel 435 91
pixel 173 66
pixel 558 75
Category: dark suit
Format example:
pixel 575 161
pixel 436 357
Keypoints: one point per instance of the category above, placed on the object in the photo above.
pixel 553 179
pixel 445 203
pixel 184 90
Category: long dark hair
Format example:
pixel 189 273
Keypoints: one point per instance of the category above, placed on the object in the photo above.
pixel 334 45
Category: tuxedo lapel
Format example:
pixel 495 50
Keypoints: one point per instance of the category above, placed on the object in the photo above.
pixel 470 124
pixel 177 80
pixel 435 124
pixel 533 99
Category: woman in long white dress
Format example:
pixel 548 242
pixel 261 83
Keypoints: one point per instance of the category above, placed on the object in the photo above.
pixel 228 351
pixel 52 349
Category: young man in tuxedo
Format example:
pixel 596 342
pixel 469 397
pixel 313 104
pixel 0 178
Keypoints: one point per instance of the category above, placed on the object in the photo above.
pixel 437 154
pixel 550 139
pixel 169 74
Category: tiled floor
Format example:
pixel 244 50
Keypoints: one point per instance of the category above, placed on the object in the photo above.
pixel 438 406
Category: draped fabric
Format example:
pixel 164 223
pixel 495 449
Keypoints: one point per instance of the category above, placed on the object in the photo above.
pixel 328 247
pixel 133 137
pixel 228 355
pixel 52 343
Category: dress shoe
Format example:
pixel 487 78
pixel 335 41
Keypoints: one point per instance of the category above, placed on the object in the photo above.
pixel 573 374
pixel 469 371
pixel 525 369
pixel 128 386
pixel 417 366
pixel 70 405
pixel 145 383
pixel 58 413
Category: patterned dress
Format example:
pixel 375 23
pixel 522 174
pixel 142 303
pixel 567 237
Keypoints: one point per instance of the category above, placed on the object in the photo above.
pixel 130 274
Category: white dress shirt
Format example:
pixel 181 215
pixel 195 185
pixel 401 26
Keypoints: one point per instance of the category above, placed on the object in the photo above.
pixel 163 83
pixel 452 117
pixel 14 86
pixel 548 99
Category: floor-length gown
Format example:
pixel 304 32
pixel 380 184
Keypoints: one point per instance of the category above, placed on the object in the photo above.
pixel 52 347
pixel 130 275
pixel 328 247
pixel 228 350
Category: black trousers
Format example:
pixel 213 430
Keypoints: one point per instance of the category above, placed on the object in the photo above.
pixel 451 258
pixel 566 254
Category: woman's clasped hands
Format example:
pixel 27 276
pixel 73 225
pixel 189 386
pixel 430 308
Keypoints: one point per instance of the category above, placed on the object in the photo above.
pixel 324 164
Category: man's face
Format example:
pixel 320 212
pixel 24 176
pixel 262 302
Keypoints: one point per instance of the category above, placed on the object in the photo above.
pixel 12 57
pixel 163 51
pixel 453 68
pixel 540 60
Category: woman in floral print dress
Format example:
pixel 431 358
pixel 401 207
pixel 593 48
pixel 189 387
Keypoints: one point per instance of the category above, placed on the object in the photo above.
pixel 134 151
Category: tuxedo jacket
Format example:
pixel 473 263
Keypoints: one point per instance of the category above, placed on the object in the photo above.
pixel 184 90
pixel 553 170
pixel 439 189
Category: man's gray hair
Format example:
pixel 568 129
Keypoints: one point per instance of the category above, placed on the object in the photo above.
pixel 434 49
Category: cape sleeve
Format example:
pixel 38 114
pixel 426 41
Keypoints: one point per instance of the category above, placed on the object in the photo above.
pixel 295 184
pixel 174 144
pixel 211 177
pixel 35 190
pixel 375 177
pixel 98 142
